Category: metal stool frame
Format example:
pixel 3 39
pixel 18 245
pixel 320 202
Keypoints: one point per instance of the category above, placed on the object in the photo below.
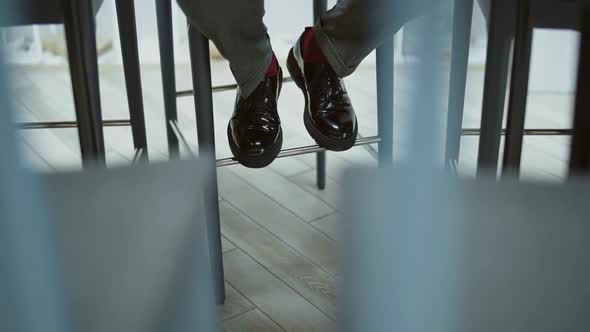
pixel 79 23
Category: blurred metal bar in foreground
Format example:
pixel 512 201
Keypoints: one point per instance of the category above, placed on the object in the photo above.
pixel 132 266
pixel 462 21
pixel 498 256
pixel 32 296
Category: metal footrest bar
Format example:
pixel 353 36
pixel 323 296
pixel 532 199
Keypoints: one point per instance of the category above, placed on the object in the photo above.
pixel 527 132
pixel 302 150
pixel 361 141
pixel 69 124
pixel 221 88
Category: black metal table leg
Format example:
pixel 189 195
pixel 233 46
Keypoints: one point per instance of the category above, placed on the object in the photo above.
pixel 462 19
pixel 81 40
pixel 518 90
pixel 130 53
pixel 496 76
pixel 165 37
pixel 319 7
pixel 580 149
pixel 201 72
pixel 385 86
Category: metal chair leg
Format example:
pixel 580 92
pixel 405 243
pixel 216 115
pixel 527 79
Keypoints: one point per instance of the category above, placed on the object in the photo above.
pixel 385 102
pixel 165 37
pixel 462 20
pixel 201 72
pixel 81 40
pixel 130 53
pixel 320 6
pixel 518 90
pixel 580 148
pixel 496 76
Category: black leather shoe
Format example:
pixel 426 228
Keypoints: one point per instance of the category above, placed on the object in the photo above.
pixel 254 131
pixel 329 116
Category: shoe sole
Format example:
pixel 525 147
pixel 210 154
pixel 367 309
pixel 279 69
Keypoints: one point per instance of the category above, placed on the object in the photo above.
pixel 255 161
pixel 321 139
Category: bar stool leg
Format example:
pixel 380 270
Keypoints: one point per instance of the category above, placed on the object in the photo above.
pixel 201 72
pixel 496 76
pixel 462 20
pixel 518 90
pixel 79 25
pixel 319 7
pixel 131 68
pixel 165 37
pixel 385 102
pixel 580 148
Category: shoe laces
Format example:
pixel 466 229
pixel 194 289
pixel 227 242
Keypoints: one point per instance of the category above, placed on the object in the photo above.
pixel 330 86
pixel 262 105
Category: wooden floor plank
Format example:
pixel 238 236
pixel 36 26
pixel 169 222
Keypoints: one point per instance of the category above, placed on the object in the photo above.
pixel 288 167
pixel 227 245
pixel 290 229
pixel 314 284
pixel 330 225
pixel 251 321
pixel 30 157
pixel 295 199
pixel 331 195
pixel 235 303
pixel 273 297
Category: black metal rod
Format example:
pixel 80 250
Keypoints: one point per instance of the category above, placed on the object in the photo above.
pixel 496 76
pixel 166 45
pixel 321 169
pixel 462 20
pixel 132 71
pixel 80 29
pixel 319 7
pixel 385 86
pixel 580 148
pixel 518 90
pixel 526 132
pixel 138 156
pixel 69 124
pixel 201 73
pixel 220 88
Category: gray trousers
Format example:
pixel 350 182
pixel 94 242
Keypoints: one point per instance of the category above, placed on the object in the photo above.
pixel 346 33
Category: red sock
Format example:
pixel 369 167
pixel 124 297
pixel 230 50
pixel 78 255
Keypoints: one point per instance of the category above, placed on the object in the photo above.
pixel 310 49
pixel 273 69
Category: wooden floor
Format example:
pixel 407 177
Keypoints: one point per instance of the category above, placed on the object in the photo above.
pixel 281 234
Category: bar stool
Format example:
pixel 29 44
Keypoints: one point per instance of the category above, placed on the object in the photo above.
pixel 203 90
pixel 78 19
pixel 199 52
pixel 517 19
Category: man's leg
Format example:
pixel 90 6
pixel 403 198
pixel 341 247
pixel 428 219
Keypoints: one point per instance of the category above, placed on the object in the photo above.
pixel 236 28
pixel 331 50
pixel 352 29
